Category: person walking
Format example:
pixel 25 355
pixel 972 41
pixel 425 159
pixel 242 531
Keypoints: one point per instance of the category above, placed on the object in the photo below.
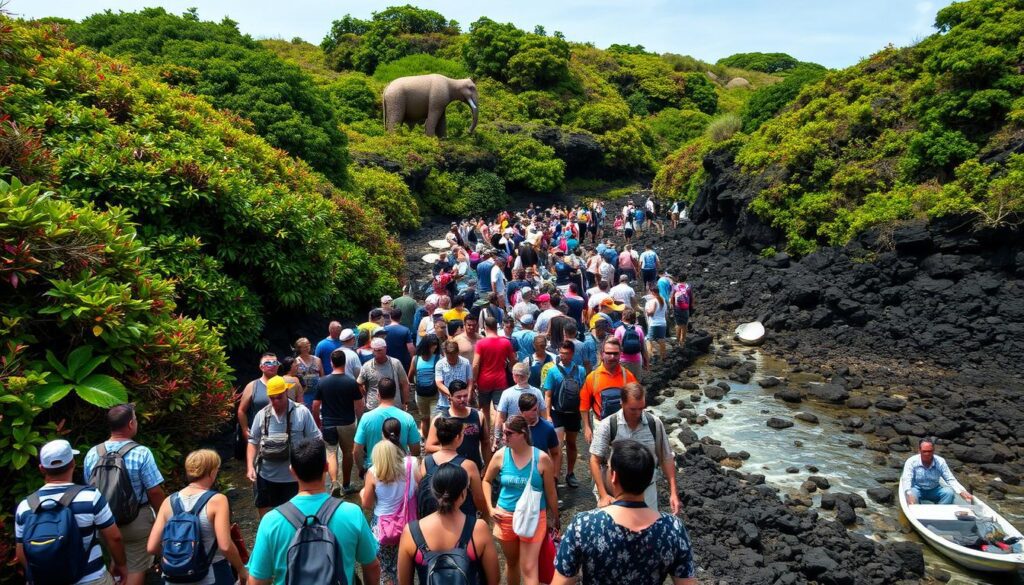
pixel 330 343
pixel 634 347
pixel 453 367
pixel 390 491
pixel 493 355
pixel 200 498
pixel 421 378
pixel 447 432
pixel 381 367
pixel 513 469
pixel 338 405
pixel 90 513
pixel 630 528
pixel 656 310
pixel 649 265
pixel 308 369
pixel 562 394
pixel 475 445
pixel 369 431
pixel 449 531
pixel 537 359
pixel 602 390
pixel 633 422
pixel 135 519
pixel 254 396
pixel 269 561
pixel 275 430
pixel 682 304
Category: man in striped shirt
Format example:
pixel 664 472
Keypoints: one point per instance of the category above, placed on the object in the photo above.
pixel 57 462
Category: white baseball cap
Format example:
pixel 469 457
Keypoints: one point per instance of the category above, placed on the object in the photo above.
pixel 56 454
pixel 346 334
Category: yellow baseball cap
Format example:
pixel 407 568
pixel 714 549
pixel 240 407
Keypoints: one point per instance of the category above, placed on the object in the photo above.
pixel 277 385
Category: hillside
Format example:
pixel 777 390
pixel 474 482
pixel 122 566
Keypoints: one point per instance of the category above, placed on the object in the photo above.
pixel 927 131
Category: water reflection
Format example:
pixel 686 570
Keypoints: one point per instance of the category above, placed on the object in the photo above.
pixel 823 446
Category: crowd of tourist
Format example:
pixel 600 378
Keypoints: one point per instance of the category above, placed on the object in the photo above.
pixel 455 418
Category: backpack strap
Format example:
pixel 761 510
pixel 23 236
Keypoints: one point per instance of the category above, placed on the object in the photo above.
pixel 202 501
pixel 35 502
pixel 430 464
pixel 292 514
pixel 417 536
pixel 124 448
pixel 613 428
pixel 101 449
pixel 467 531
pixel 176 504
pixel 652 424
pixel 327 510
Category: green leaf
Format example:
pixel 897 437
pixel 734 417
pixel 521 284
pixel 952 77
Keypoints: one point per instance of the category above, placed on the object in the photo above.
pixel 49 395
pixel 102 390
pixel 56 365
pixel 77 359
pixel 10 398
pixel 19 459
pixel 88 367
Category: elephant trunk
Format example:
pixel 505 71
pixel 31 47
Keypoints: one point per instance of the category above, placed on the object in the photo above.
pixel 472 106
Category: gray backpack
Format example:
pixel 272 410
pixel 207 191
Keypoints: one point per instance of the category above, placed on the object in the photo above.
pixel 110 477
pixel 313 555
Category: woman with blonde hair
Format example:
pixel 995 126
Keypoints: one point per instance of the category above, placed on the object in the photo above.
pixel 308 369
pixel 214 513
pixel 513 468
pixel 390 491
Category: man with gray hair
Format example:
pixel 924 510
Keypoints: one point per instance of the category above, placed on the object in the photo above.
pixel 922 473
pixel 508 406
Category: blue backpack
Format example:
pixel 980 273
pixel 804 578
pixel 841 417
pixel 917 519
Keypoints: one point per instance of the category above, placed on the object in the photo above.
pixel 53 542
pixel 313 554
pixel 185 560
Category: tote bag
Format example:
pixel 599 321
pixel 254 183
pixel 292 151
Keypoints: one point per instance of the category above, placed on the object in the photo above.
pixel 527 513
pixel 390 526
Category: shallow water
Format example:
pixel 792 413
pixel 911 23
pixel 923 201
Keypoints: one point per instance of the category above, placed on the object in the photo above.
pixel 823 445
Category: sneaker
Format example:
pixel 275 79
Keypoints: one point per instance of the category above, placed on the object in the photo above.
pixel 336 490
pixel 571 480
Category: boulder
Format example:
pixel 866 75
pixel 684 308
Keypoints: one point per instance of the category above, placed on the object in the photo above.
pixel 816 561
pixel 790 395
pixel 736 82
pixel 819 481
pixel 891 404
pixel 831 393
pixel 769 382
pixel 845 513
pixel 809 487
pixel 715 452
pixel 714 392
pixel 725 362
pixel 882 495
pixel 806 417
pixel 858 402
pixel 911 554
pixel 779 423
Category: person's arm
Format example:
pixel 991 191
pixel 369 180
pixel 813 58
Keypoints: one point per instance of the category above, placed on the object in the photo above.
pixel 154 545
pixel 317 404
pixel 243 408
pixel 493 469
pixel 439 380
pixel 485 446
pixel 953 483
pixel 585 394
pixel 368 497
pixel 220 516
pixel 411 374
pixel 547 470
pixel 668 469
pixel 114 543
pixel 907 479
pixel 487 553
pixel 432 444
pixel 359 455
pixel 156 496
pixel 359 406
pixel 371 572
pixel 406 557
pixel 476 366
pixel 476 489
pixel 645 355
pixel 250 461
pixel 603 498
pixel 404 385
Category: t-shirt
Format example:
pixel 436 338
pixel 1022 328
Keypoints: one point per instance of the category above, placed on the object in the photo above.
pixel 598 380
pixel 446 373
pixel 455 314
pixel 356 543
pixel 544 320
pixel 665 288
pixel 543 435
pixel 483 275
pixel 303 427
pixel 338 393
pixel 623 293
pixel 139 463
pixel 373 372
pixel 408 306
pixel 634 358
pixel 91 511
pixel 369 432
pixel 509 403
pixel 576 306
pixel 524 342
pixel 554 377
pixel 324 350
pixel 498 277
pixel 648 260
pixel 398 339
pixel 494 352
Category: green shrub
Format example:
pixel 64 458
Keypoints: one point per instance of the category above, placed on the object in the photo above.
pixel 701 92
pixel 354 97
pixel 391 34
pixel 766 62
pixel 284 103
pixel 490 46
pixel 525 161
pixel 682 173
pixel 540 62
pixel 672 128
pixel 768 101
pixel 723 127
pixel 87 322
pixel 412 150
pixel 460 194
pixel 624 150
pixel 602 117
pixel 419 64
pixel 937 151
pixel 387 193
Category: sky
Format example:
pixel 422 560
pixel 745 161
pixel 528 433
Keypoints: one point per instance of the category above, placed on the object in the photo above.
pixel 835 33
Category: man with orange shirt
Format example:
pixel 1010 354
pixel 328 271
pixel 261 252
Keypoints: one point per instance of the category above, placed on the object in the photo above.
pixel 602 390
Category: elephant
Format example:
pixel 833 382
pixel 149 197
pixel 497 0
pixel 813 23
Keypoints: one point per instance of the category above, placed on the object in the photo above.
pixel 419 98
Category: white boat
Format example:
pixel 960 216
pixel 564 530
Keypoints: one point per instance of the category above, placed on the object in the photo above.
pixel 937 524
pixel 750 333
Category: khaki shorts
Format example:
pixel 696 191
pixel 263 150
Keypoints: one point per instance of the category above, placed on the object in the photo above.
pixel 346 437
pixel 136 537
pixel 426 406
pixel 106 579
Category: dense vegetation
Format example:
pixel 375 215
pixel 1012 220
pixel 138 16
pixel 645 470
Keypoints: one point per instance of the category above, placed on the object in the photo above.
pixel 922 131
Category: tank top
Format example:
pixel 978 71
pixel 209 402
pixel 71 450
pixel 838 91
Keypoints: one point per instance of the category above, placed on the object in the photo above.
pixel 309 377
pixel 658 318
pixel 471 429
pixel 390 495
pixel 206 529
pixel 259 399
pixel 513 480
pixel 425 371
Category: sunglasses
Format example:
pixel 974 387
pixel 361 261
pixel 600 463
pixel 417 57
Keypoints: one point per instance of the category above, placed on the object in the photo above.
pixel 269 364
pixel 611 353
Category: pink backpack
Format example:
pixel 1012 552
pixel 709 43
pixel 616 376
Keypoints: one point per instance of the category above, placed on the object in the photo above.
pixel 683 296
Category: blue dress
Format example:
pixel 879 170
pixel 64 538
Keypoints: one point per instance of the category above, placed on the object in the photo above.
pixel 610 554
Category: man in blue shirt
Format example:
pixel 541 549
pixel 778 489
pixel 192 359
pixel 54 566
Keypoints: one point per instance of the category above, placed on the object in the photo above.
pixel 369 432
pixel 922 473
pixel 483 273
pixel 269 561
pixel 328 344
pixel 565 410
pixel 399 339
pixel 146 483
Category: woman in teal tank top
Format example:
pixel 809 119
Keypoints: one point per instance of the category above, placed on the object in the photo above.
pixel 512 468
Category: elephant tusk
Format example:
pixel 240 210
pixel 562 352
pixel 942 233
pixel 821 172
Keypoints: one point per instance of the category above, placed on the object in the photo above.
pixel 472 104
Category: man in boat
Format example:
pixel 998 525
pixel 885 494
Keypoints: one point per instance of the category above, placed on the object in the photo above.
pixel 922 472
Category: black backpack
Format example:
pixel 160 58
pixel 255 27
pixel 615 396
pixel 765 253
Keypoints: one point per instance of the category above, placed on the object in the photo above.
pixel 611 397
pixel 110 477
pixel 631 344
pixel 426 503
pixel 567 395
pixel 53 543
pixel 450 567
pixel 313 555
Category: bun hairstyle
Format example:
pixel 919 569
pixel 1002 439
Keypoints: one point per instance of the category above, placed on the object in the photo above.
pixel 391 430
pixel 448 429
pixel 448 484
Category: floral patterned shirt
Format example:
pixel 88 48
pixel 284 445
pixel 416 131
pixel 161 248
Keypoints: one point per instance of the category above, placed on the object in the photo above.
pixel 610 554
